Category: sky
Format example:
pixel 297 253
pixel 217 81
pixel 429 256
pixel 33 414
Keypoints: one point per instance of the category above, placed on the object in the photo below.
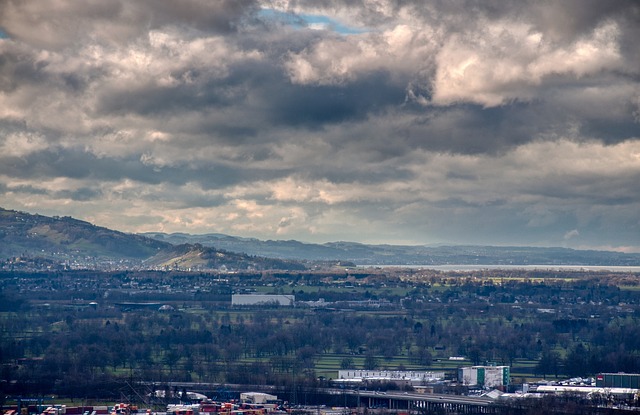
pixel 377 121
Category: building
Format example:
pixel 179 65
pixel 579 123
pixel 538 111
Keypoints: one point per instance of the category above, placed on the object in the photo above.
pixel 484 376
pixel 591 392
pixel 258 398
pixel 262 299
pixel 412 378
pixel 618 380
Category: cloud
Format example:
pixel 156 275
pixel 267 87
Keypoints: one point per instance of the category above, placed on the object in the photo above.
pixel 438 121
pixel 60 24
pixel 401 51
pixel 571 234
pixel 510 61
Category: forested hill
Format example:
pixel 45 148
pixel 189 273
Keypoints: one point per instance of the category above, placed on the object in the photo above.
pixel 24 234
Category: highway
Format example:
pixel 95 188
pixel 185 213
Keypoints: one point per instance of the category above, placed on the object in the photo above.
pixel 423 397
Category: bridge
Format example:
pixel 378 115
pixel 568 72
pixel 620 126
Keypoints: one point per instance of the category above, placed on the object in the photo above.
pixel 423 402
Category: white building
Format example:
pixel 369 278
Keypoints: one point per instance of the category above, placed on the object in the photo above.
pixel 410 377
pixel 258 398
pixel 262 299
pixel 484 376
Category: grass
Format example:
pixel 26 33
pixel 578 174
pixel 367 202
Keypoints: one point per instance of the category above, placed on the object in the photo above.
pixel 328 364
pixel 337 288
pixel 629 287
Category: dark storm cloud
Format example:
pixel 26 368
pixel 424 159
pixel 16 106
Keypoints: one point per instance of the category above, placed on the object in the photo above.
pixel 190 88
pixel 362 174
pixel 591 187
pixel 470 129
pixel 78 164
pixel 149 100
pixel 566 19
pixel 314 106
pixel 219 16
pixel 29 190
pixel 610 132
pixel 18 66
pixel 82 194
pixel 58 23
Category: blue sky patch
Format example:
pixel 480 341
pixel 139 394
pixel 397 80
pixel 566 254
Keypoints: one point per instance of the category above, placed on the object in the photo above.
pixel 309 21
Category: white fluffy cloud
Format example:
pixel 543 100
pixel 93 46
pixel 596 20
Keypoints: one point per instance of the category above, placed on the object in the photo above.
pixel 511 61
pixel 402 51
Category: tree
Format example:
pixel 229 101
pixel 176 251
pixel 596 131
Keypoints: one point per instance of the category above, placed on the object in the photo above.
pixel 475 355
pixel 347 363
pixel 370 361
pixel 306 357
pixel 575 363
pixel 422 356
pixel 548 364
pixel 171 357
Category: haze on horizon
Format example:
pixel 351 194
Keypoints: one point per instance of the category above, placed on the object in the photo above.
pixel 377 121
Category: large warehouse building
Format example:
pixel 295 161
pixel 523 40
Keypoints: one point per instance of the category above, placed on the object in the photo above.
pixel 262 299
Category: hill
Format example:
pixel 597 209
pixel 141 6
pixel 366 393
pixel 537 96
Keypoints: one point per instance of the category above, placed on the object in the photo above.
pixel 366 254
pixel 24 234
pixel 33 242
pixel 198 257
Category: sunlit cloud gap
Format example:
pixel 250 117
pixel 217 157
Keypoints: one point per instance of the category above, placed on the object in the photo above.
pixel 308 21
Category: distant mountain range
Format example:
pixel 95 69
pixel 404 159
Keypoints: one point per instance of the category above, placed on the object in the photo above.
pixel 48 241
pixel 363 254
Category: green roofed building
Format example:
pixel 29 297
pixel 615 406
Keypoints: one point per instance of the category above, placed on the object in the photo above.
pixel 618 380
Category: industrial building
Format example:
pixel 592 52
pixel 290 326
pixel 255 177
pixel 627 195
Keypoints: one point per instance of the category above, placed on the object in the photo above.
pixel 258 398
pixel 402 378
pixel 484 376
pixel 618 380
pixel 262 299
